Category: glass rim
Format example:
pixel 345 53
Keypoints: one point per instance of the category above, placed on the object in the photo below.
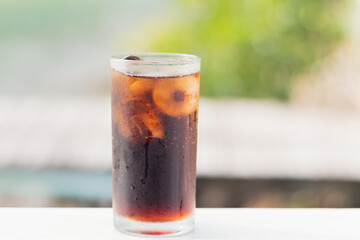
pixel 169 59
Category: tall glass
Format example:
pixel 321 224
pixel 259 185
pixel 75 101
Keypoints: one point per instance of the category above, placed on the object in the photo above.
pixel 154 100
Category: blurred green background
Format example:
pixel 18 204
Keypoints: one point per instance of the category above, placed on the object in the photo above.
pixel 256 47
pixel 264 64
pixel 250 49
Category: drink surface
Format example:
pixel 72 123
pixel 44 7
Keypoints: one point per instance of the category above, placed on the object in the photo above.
pixel 154 127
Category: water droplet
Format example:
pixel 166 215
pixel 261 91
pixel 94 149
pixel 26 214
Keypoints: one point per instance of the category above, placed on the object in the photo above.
pixel 181 206
pixel 132 187
pixel 116 165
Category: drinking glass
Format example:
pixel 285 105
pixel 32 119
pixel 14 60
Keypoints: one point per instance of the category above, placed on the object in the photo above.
pixel 154 99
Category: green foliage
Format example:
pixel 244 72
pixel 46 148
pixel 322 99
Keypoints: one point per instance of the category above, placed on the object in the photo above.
pixel 253 48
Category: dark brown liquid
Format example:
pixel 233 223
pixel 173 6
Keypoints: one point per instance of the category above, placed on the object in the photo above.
pixel 154 179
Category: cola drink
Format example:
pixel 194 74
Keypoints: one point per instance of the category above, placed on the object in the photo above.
pixel 154 136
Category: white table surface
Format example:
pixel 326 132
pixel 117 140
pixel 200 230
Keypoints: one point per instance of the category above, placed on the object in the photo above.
pixel 230 223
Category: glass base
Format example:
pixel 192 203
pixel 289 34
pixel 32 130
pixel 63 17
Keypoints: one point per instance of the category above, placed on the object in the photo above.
pixel 140 228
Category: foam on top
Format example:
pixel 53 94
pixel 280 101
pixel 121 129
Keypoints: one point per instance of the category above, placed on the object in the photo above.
pixel 157 65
